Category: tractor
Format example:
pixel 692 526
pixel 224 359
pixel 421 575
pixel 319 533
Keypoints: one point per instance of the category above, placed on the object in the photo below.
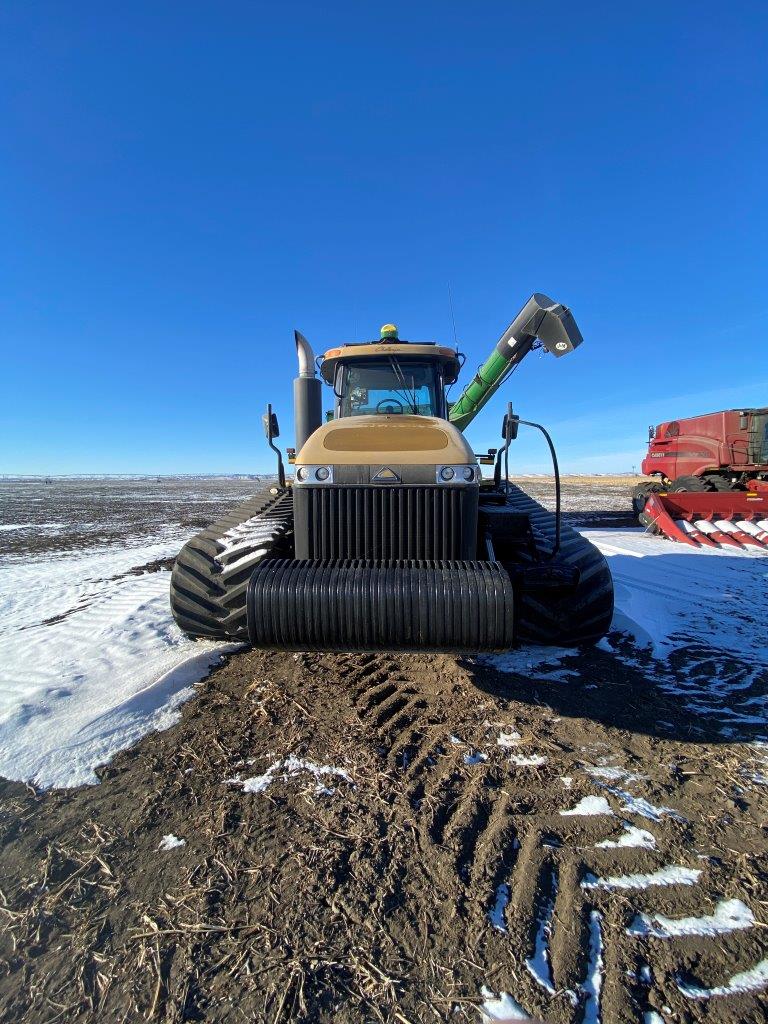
pixel 388 537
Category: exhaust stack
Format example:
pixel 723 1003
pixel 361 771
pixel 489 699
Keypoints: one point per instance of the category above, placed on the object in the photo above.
pixel 307 399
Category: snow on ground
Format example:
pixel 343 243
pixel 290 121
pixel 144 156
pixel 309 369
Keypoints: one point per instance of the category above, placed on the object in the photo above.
pixel 673 874
pixel 90 660
pixel 699 612
pixel 631 836
pixel 496 913
pixel 729 916
pixel 292 766
pixel 171 842
pixel 501 1007
pixel 702 609
pixel 753 980
pixel 590 805
pixel 666 592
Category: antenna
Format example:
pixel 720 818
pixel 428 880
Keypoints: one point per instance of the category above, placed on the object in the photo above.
pixel 453 318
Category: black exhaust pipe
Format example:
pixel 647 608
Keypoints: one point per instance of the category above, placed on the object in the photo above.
pixel 307 398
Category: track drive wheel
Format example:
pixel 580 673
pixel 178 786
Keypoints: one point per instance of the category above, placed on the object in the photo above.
pixel 210 577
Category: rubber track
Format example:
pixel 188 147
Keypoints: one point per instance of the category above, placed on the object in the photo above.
pixel 580 617
pixel 210 577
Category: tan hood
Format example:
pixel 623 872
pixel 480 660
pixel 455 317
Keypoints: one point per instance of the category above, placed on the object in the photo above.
pixel 372 440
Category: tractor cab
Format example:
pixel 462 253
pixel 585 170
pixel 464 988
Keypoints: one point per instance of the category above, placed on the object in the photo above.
pixel 390 377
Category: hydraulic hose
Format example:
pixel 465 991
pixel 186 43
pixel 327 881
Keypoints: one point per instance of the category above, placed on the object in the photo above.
pixel 556 469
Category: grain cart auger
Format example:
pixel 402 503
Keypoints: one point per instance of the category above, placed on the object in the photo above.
pixel 388 538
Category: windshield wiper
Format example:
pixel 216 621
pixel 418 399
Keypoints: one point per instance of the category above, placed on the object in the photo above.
pixel 409 395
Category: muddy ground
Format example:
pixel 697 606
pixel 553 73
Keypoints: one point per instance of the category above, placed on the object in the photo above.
pixel 376 838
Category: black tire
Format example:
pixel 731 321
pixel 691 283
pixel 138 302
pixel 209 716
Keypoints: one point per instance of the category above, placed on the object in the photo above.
pixel 576 617
pixel 211 573
pixel 689 483
pixel 640 495
pixel 715 482
pixel 645 520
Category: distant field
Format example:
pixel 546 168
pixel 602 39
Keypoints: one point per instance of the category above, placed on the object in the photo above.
pixel 605 479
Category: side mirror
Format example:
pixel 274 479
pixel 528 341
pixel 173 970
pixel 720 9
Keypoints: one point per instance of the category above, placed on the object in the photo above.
pixel 271 427
pixel 510 427
pixel 651 433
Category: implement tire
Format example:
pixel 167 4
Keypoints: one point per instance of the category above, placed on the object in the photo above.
pixel 640 495
pixel 689 483
pixel 211 573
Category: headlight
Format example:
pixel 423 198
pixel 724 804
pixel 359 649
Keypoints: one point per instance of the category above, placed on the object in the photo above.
pixel 310 475
pixel 456 475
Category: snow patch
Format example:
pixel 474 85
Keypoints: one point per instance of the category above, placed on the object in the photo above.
pixel 533 761
pixel 509 739
pixel 496 913
pixel 640 806
pixel 729 916
pixel 613 773
pixel 540 965
pixel 632 836
pixel 500 1007
pixel 528 660
pixel 753 980
pixel 594 979
pixel 673 874
pixel 171 842
pixel 589 805
pixel 669 598
pixel 90 660
pixel 475 758
pixel 289 767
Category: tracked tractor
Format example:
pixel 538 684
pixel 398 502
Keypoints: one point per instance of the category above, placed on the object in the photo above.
pixel 388 537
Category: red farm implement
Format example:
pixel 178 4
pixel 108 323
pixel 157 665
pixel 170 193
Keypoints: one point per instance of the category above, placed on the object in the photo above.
pixel 710 480
pixel 736 519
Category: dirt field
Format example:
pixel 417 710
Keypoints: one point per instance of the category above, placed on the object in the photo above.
pixel 384 839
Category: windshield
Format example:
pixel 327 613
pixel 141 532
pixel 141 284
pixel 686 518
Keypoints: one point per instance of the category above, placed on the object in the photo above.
pixel 390 386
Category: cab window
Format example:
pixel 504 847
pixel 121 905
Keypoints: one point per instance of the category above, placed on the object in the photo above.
pixel 391 387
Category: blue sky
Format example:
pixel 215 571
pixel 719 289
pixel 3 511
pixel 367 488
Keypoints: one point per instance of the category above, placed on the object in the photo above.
pixel 182 184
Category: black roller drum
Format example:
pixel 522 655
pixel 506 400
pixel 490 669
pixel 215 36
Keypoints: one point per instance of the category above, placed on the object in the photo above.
pixel 358 605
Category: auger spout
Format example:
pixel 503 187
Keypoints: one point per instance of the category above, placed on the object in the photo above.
pixel 540 318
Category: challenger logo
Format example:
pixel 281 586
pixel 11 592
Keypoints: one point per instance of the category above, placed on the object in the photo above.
pixel 387 476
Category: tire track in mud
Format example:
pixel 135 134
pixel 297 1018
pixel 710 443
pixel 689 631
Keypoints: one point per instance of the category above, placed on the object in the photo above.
pixel 573 942
pixel 441 867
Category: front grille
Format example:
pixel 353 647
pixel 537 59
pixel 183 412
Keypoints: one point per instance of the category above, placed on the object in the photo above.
pixel 385 522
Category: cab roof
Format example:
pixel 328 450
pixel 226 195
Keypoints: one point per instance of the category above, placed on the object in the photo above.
pixel 402 349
